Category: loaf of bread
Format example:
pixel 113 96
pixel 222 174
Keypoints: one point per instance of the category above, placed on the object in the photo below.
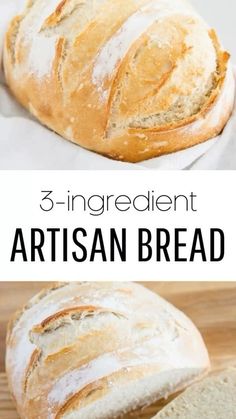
pixel 131 79
pixel 213 398
pixel 97 350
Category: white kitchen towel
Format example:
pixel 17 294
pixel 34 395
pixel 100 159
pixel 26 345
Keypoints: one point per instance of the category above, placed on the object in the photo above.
pixel 26 144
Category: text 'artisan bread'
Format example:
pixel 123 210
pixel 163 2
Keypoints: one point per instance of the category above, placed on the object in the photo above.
pixel 131 79
pixel 97 350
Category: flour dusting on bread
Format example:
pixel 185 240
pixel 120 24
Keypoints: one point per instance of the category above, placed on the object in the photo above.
pixel 118 46
pixel 119 78
pixel 94 339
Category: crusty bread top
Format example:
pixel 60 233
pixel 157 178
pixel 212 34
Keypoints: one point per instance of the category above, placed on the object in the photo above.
pixel 212 398
pixel 165 52
pixel 78 334
pixel 100 73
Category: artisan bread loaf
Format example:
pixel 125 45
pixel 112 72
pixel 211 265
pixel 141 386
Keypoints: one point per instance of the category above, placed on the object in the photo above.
pixel 97 350
pixel 213 398
pixel 130 80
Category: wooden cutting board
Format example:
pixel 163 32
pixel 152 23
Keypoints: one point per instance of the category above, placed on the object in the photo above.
pixel 212 307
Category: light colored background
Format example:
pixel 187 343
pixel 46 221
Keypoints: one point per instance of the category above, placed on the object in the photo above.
pixel 221 15
pixel 20 208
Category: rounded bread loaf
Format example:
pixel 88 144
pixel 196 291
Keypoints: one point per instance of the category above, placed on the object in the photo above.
pixel 131 79
pixel 98 350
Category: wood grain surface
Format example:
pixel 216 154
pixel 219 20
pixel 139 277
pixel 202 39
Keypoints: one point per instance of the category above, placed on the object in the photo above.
pixel 212 307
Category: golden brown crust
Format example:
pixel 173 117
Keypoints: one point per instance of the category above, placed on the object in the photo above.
pixel 16 317
pixel 55 17
pixel 34 359
pixel 48 322
pixel 67 100
pixel 95 391
pixel 54 365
